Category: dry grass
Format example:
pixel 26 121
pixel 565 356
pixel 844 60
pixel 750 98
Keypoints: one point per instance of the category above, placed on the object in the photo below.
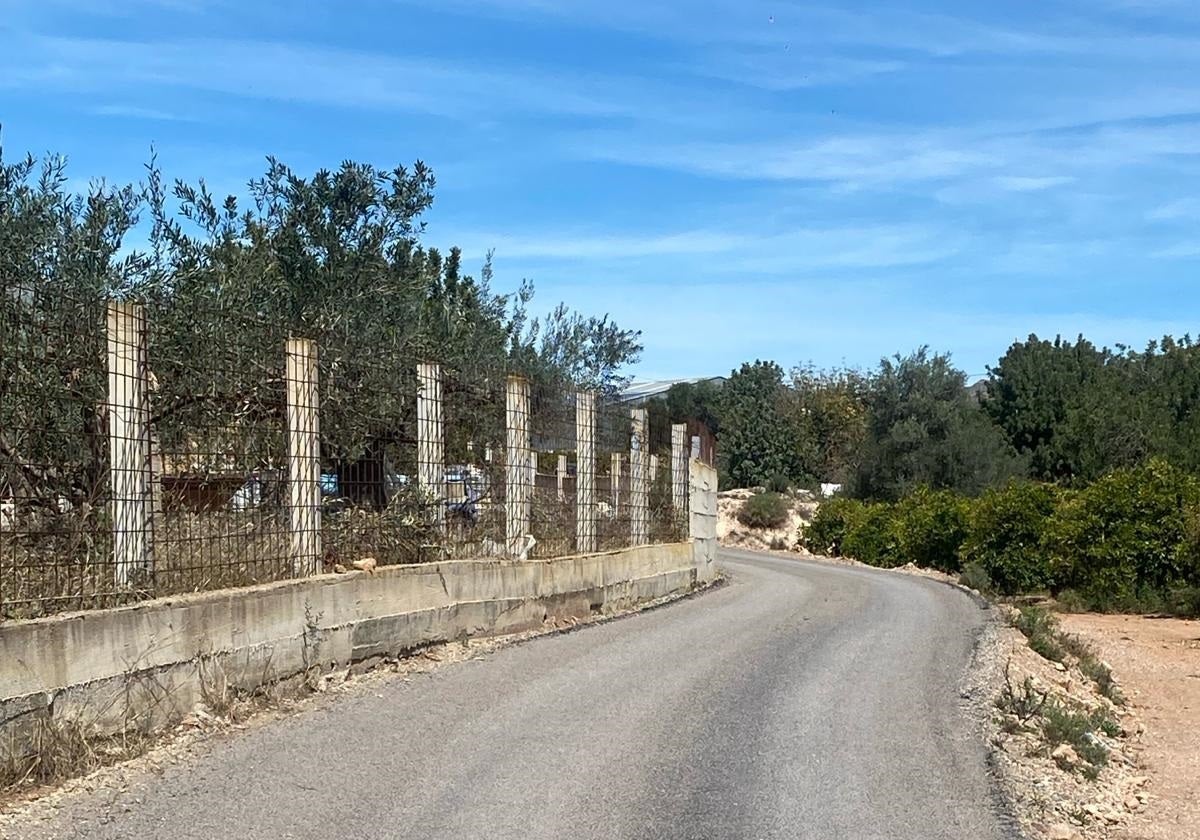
pixel 55 750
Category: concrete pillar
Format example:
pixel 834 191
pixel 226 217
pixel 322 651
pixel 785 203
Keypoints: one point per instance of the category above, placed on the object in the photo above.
pixel 304 456
pixel 638 531
pixel 130 474
pixel 585 472
pixel 431 451
pixel 703 518
pixel 614 478
pixel 679 470
pixel 560 475
pixel 518 465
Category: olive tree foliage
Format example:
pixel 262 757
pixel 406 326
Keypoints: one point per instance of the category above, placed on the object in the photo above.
pixel 335 257
pixel 60 257
pixel 833 405
pixel 922 429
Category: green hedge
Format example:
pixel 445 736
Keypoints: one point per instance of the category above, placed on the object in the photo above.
pixel 826 534
pixel 1128 541
pixel 874 537
pixel 1004 536
pixel 932 526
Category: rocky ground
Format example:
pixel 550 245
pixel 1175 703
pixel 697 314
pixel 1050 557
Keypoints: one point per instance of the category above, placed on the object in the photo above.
pixel 1056 792
pixel 733 533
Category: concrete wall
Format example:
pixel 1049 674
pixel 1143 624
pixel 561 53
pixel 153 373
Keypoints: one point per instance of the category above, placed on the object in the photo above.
pixel 151 663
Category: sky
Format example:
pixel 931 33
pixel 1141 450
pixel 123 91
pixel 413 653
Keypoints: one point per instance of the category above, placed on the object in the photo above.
pixel 820 181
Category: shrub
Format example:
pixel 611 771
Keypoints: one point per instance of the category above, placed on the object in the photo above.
pixel 834 519
pixel 1126 538
pixel 778 484
pixel 1185 601
pixel 976 577
pixel 873 538
pixel 1064 724
pixel 764 510
pixel 932 527
pixel 1041 629
pixel 1005 536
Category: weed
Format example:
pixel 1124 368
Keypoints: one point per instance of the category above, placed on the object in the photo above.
pixel 1024 702
pixel 974 576
pixel 1041 629
pixel 1063 724
pixel 53 750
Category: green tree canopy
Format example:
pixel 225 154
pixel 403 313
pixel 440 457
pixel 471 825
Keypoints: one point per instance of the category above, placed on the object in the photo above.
pixel 922 429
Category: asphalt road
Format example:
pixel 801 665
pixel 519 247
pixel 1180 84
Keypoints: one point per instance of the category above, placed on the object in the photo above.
pixel 799 701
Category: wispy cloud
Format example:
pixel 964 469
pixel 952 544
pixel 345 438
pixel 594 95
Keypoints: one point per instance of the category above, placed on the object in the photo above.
pixel 1183 209
pixel 1024 183
pixel 1180 251
pixel 135 112
pixel 787 251
pixel 293 72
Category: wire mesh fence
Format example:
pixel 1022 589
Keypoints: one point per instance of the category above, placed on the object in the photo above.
pixel 134 465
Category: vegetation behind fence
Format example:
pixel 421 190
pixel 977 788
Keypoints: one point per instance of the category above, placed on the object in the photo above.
pixel 291 387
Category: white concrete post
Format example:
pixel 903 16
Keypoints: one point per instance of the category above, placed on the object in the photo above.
pixel 637 478
pixel 695 447
pixel 614 478
pixel 304 456
pixel 517 491
pixel 679 469
pixel 585 472
pixel 431 451
pixel 560 475
pixel 130 475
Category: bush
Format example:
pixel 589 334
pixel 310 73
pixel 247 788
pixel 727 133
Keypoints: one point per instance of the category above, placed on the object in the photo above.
pixel 932 527
pixel 874 537
pixel 1041 629
pixel 976 577
pixel 1005 536
pixel 764 510
pixel 834 519
pixel 778 484
pixel 1127 538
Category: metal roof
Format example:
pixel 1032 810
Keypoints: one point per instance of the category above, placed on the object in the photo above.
pixel 640 390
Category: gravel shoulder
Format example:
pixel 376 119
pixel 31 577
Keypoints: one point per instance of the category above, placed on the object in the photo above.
pixel 798 700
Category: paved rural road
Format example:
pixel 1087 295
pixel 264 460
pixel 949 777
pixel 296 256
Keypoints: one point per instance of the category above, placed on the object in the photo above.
pixel 800 701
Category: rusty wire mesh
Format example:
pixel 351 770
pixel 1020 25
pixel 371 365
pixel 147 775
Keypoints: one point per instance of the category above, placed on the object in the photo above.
pixel 55 535
pixel 132 465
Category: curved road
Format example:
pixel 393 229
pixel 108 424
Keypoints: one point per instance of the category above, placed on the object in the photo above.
pixel 801 700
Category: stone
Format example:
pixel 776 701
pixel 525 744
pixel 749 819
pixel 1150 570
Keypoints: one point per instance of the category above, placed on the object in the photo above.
pixel 1062 831
pixel 1065 756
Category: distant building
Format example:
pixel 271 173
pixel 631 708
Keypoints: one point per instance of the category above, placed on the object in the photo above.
pixel 639 391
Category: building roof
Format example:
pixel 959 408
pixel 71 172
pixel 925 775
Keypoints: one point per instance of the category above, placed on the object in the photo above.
pixel 640 390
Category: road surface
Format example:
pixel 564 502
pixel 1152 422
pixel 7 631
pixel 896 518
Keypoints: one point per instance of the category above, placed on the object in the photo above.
pixel 801 700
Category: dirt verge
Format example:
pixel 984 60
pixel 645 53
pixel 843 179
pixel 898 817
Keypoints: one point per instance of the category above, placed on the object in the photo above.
pixel 1158 660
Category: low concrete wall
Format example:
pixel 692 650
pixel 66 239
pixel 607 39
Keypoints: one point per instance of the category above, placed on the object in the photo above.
pixel 151 663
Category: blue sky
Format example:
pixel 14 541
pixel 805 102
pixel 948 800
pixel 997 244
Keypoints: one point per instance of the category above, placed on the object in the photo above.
pixel 800 181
